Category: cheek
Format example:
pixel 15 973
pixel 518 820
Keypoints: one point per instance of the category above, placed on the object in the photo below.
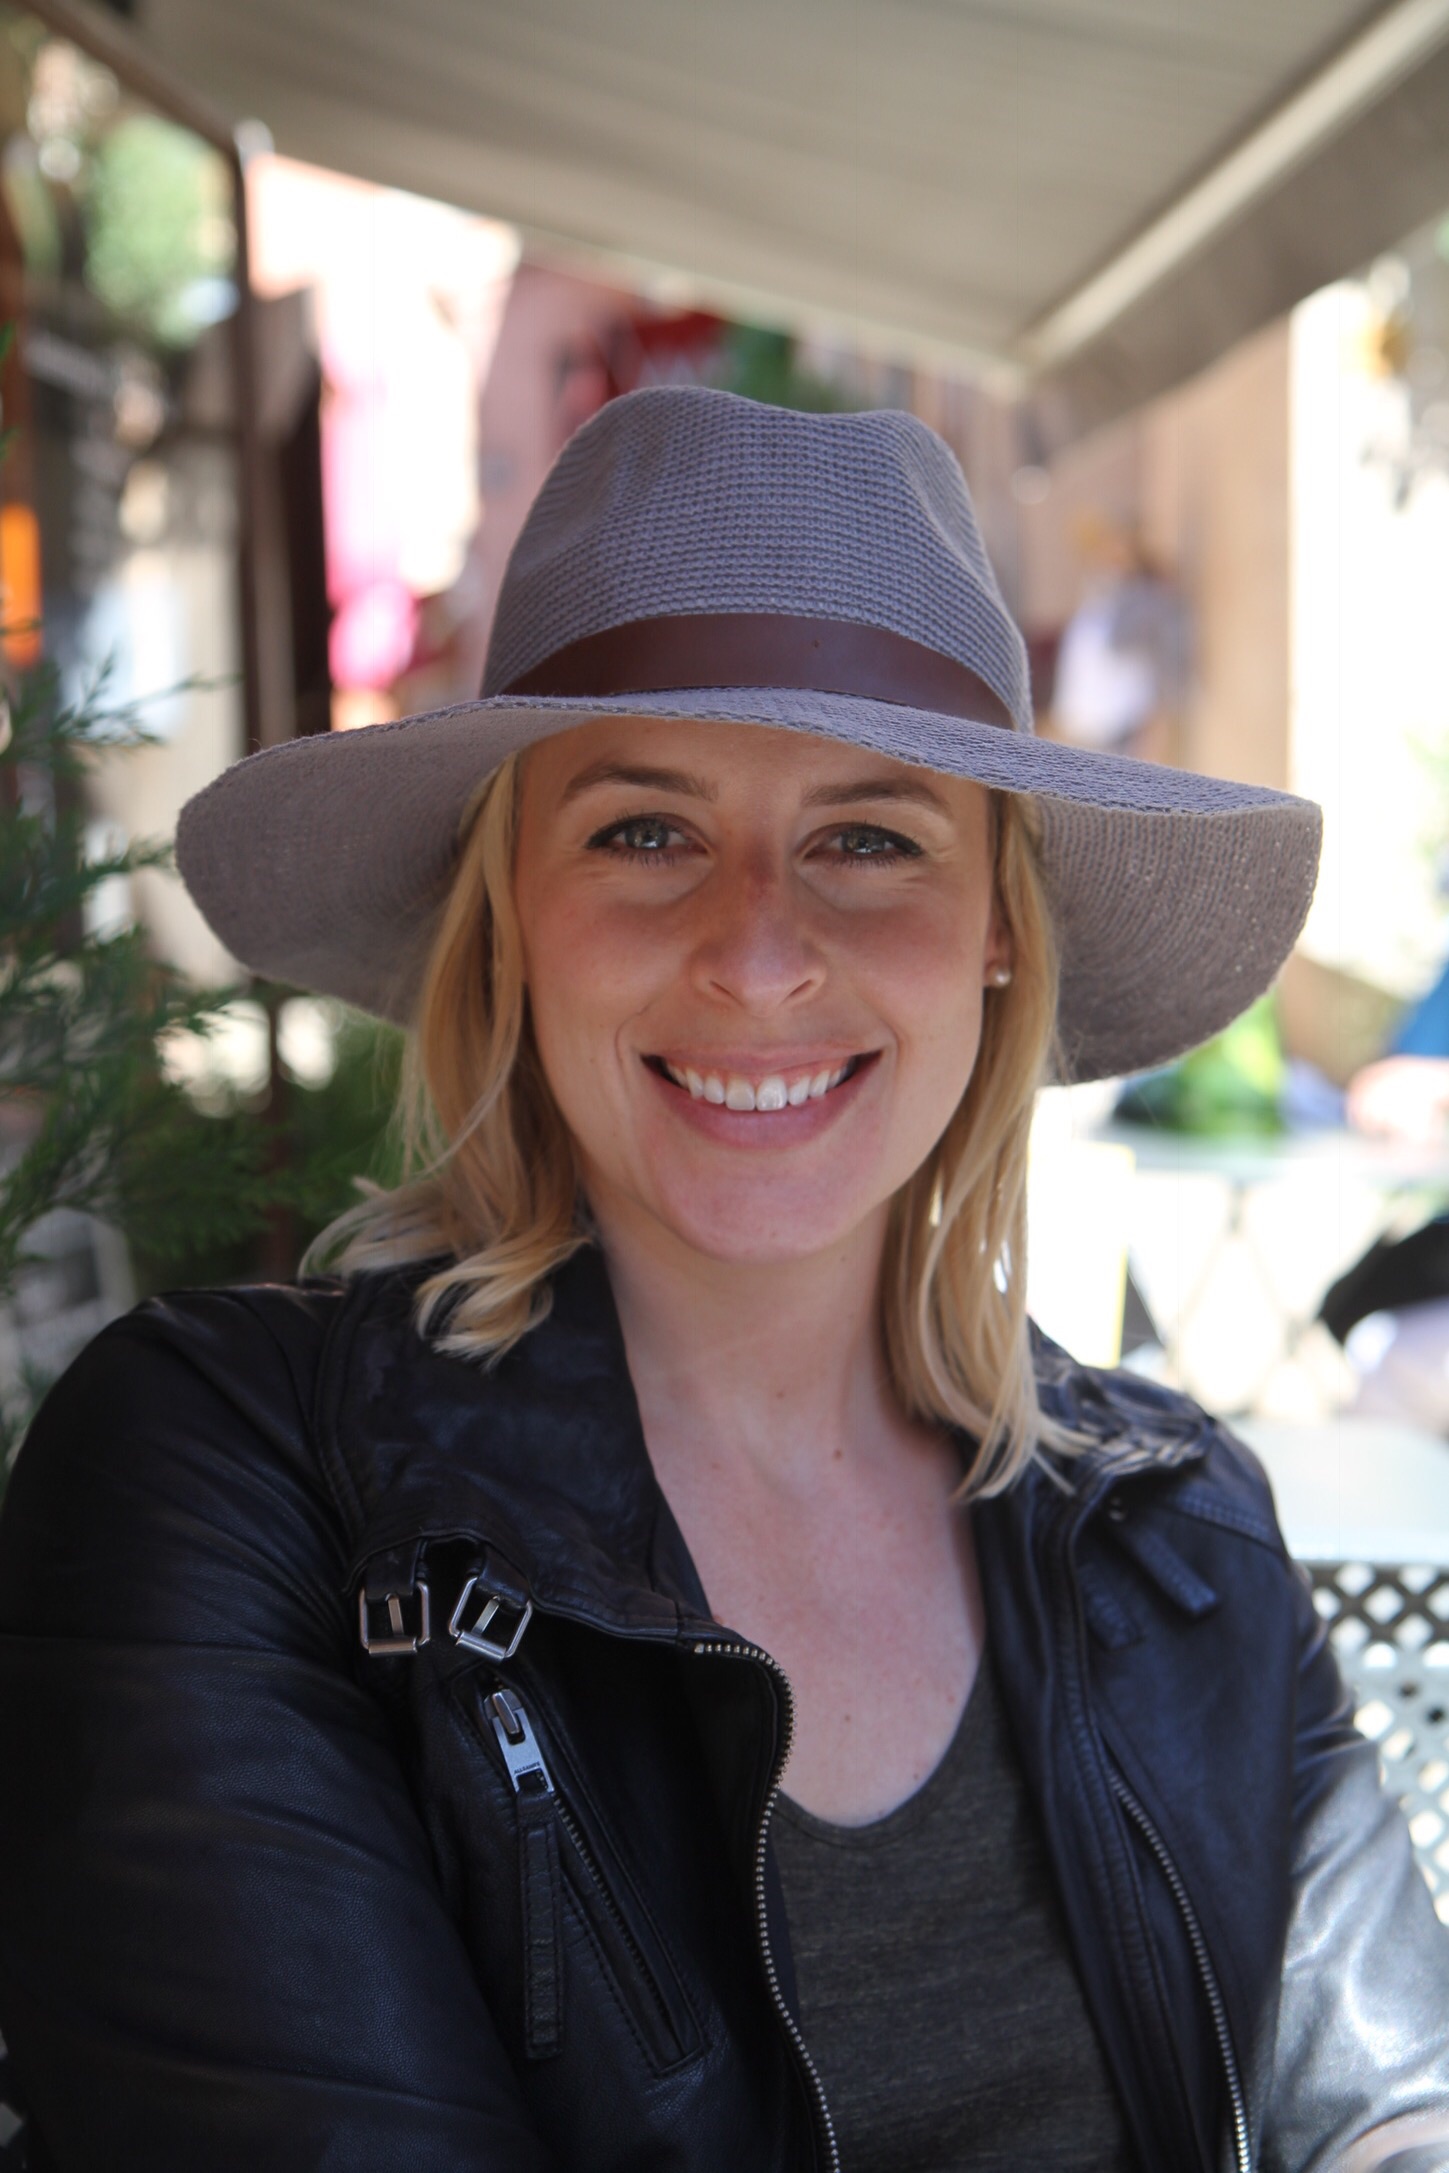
pixel 587 975
pixel 930 990
pixel 927 967
pixel 561 966
pixel 943 1057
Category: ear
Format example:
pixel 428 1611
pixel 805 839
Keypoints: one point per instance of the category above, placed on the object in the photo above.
pixel 998 961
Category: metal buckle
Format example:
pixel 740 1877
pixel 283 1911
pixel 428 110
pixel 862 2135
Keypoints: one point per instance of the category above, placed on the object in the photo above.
pixel 473 1635
pixel 402 1632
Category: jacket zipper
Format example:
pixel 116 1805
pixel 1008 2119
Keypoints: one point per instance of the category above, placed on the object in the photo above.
pixel 521 1753
pixel 1137 1812
pixel 723 1649
pixel 1242 2153
pixel 538 1876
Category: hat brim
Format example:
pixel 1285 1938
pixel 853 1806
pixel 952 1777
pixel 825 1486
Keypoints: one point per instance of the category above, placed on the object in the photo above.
pixel 324 862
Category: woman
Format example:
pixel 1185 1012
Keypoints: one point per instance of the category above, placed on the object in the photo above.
pixel 402 1672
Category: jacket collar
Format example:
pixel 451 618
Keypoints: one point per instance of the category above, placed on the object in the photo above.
pixel 540 1461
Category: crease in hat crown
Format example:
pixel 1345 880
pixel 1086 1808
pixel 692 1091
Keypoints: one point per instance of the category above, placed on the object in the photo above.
pixel 675 501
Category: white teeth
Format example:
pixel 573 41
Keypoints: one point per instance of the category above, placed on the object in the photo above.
pixel 773 1092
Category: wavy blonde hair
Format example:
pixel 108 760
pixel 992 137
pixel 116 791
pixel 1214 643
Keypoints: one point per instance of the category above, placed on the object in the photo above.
pixel 495 1190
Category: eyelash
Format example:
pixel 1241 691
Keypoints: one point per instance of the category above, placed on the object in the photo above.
pixel 888 846
pixel 895 847
pixel 606 840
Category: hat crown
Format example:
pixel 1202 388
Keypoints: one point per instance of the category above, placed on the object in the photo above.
pixel 680 500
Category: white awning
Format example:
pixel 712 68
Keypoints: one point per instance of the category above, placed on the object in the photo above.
pixel 1095 195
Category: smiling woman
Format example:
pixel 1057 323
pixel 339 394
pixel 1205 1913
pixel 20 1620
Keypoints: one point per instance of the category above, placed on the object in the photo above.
pixel 728 932
pixel 544 1692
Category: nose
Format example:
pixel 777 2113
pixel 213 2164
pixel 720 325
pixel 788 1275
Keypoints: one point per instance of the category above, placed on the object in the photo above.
pixel 755 947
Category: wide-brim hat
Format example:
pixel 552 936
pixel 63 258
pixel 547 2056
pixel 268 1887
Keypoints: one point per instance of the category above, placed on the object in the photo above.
pixel 696 555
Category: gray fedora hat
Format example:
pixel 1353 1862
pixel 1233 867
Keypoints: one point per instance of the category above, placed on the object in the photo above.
pixel 697 555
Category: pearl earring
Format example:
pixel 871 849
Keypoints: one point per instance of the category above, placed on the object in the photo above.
pixel 999 976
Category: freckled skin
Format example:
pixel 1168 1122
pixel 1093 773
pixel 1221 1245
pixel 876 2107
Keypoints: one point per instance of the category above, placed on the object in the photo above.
pixel 753 934
pixel 778 901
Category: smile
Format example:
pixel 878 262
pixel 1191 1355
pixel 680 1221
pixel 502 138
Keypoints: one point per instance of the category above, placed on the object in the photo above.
pixel 772 1091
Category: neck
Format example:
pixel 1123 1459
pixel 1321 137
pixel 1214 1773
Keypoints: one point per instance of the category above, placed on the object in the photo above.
pixel 776 1368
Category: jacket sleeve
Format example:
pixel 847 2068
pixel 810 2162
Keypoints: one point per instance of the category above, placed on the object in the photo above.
pixel 222 1941
pixel 1361 2063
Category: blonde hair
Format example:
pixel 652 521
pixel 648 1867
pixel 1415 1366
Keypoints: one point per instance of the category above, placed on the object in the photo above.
pixel 494 1191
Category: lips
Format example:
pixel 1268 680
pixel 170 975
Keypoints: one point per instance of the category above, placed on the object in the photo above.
pixel 767 1092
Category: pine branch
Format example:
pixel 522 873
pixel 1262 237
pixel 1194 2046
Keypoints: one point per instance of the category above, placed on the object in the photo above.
pixel 87 1024
pixel 83 1018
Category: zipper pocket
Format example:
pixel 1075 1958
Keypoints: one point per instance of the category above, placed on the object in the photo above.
pixel 1162 1855
pixel 538 1877
pixel 664 2027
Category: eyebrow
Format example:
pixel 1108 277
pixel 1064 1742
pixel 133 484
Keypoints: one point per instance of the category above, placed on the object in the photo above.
pixel 910 789
pixel 640 775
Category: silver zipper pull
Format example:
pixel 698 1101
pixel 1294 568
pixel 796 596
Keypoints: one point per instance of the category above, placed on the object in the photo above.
pixel 538 1874
pixel 517 1740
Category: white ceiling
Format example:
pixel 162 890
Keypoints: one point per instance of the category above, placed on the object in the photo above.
pixel 944 176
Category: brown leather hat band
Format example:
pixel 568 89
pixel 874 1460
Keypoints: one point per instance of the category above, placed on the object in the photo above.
pixel 763 649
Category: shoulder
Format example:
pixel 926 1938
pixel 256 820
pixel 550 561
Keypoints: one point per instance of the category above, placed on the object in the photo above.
pixel 1164 1522
pixel 1146 1444
pixel 175 1463
pixel 252 1350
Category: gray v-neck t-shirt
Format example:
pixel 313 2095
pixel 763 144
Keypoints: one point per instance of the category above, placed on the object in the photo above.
pixel 938 1994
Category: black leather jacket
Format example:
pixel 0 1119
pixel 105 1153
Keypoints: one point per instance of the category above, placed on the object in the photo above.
pixel 271 1900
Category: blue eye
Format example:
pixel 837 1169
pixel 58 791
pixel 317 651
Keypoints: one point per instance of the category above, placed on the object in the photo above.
pixel 638 837
pixel 866 841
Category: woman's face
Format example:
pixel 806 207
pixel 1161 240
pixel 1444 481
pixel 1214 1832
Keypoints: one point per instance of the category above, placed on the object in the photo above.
pixel 755 964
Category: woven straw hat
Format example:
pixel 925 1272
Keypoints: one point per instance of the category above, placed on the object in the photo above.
pixel 697 555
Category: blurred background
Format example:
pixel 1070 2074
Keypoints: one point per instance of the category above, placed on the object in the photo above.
pixel 303 303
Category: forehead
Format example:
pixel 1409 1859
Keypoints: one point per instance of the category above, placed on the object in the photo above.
pixel 724 762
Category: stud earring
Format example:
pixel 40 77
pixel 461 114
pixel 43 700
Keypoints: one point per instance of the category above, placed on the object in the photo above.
pixel 999 976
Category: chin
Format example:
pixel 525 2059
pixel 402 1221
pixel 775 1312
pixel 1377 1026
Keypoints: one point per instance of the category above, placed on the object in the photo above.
pixel 761 1229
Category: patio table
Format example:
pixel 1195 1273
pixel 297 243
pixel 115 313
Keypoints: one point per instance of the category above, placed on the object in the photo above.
pixel 1336 1193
